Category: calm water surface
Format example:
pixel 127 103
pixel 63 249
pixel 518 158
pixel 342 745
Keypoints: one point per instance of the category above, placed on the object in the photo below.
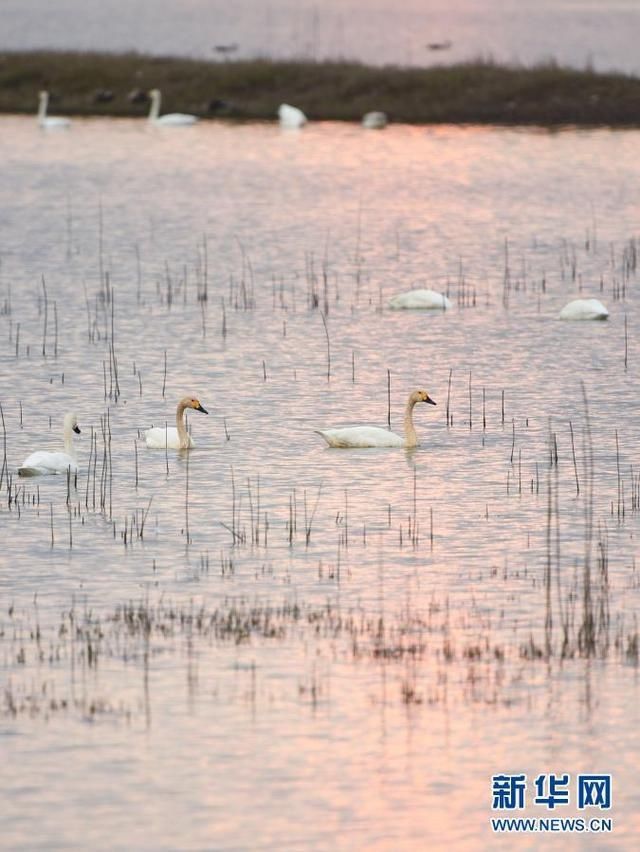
pixel 347 644
pixel 597 33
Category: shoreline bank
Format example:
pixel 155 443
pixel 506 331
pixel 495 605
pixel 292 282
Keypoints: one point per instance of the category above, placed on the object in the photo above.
pixel 96 84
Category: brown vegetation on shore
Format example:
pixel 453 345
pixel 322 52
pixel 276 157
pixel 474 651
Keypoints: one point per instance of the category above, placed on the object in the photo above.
pixel 479 92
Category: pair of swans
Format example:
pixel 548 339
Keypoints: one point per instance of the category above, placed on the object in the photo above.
pixel 374 436
pixel 44 462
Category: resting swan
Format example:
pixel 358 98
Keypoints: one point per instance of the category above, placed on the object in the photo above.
pixel 584 309
pixel 43 462
pixel 374 120
pixel 170 119
pixel 49 122
pixel 174 437
pixel 290 116
pixel 428 300
pixel 373 436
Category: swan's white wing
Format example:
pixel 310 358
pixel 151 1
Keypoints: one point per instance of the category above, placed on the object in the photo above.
pixel 584 309
pixel 159 438
pixel 176 119
pixel 420 300
pixel 361 436
pixel 291 116
pixel 43 462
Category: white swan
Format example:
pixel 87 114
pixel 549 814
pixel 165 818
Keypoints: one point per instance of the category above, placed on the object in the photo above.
pixel 49 122
pixel 170 119
pixel 425 300
pixel 373 436
pixel 584 309
pixel 43 462
pixel 290 116
pixel 375 120
pixel 174 437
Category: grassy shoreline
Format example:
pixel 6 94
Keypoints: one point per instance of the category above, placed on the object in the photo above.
pixel 471 93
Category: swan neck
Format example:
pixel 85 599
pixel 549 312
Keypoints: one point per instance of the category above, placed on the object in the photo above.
pixel 183 435
pixel 42 107
pixel 410 436
pixel 68 440
pixel 154 112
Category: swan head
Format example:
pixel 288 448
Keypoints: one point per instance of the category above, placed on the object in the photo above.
pixel 421 396
pixel 71 424
pixel 192 402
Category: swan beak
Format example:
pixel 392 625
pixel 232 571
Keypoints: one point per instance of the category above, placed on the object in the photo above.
pixel 200 408
pixel 76 429
pixel 430 401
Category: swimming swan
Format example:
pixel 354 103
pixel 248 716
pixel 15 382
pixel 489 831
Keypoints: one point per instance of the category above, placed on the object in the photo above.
pixel 43 462
pixel 584 309
pixel 290 116
pixel 374 120
pixel 171 119
pixel 373 436
pixel 427 300
pixel 174 437
pixel 49 122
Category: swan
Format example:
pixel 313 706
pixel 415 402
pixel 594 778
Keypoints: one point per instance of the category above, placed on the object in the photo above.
pixel 43 461
pixel 584 309
pixel 374 120
pixel 373 436
pixel 171 119
pixel 49 122
pixel 290 116
pixel 174 437
pixel 422 299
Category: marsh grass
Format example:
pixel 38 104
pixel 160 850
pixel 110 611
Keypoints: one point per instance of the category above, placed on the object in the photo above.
pixel 475 92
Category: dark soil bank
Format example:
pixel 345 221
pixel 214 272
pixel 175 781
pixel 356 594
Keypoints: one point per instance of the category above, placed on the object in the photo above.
pixel 478 93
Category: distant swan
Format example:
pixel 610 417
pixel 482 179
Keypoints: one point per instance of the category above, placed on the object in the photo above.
pixel 375 120
pixel 584 309
pixel 290 116
pixel 171 119
pixel 43 462
pixel 425 300
pixel 49 122
pixel 373 436
pixel 174 437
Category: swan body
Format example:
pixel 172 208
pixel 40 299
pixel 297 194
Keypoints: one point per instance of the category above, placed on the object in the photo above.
pixel 584 309
pixel 375 120
pixel 374 436
pixel 290 116
pixel 51 122
pixel 425 300
pixel 43 462
pixel 170 119
pixel 174 437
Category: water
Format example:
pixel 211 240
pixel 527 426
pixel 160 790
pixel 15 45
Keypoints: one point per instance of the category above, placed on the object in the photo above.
pixel 594 33
pixel 375 661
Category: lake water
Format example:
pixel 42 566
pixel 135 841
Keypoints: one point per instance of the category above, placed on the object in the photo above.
pixel 307 647
pixel 594 33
